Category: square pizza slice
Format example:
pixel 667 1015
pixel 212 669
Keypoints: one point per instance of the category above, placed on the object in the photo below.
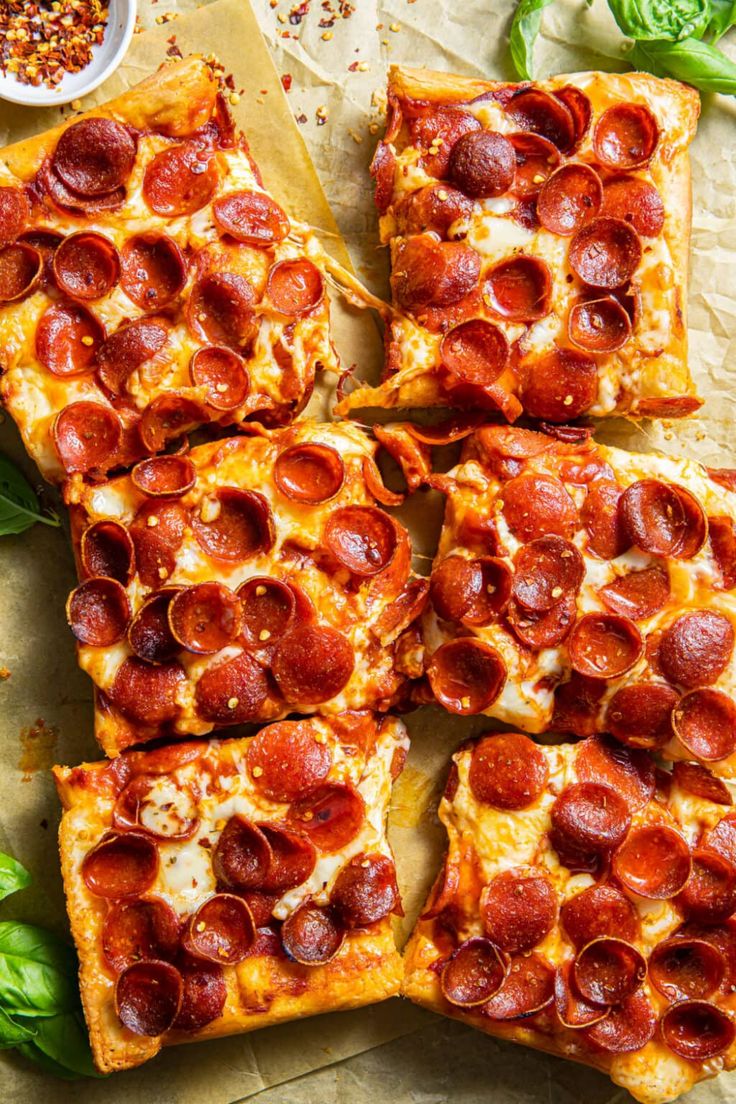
pixel 250 578
pixel 539 245
pixel 148 281
pixel 218 887
pixel 587 589
pixel 586 908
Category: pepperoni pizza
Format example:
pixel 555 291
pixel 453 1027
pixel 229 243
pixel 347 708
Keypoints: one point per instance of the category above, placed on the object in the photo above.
pixel 586 908
pixel 251 578
pixel 148 282
pixel 581 588
pixel 217 887
pixel 539 242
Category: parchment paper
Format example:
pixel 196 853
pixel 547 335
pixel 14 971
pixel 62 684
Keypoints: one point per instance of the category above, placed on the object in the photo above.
pixel 335 73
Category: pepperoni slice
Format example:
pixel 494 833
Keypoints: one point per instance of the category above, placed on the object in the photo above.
pixel 166 418
pixel 578 104
pixel 698 780
pixel 87 436
pixel 106 548
pixel 543 630
pixel 537 505
pixel 473 974
pixel 608 970
pixel 600 910
pixel 604 645
pixel 311 935
pixel 626 136
pixel 663 519
pixel 180 180
pixel 223 374
pixel 559 386
pixel 233 525
pixel 309 473
pixel 148 997
pixel 436 131
pixel 696 648
pixel 153 270
pixel 221 930
pixel 482 164
pixel 86 265
pixel 220 310
pixel 331 815
pixel 67 339
pixel 710 894
pixel 591 817
pixel 242 855
pixel 636 201
pixel 627 1028
pixel 287 758
pixel 519 289
pixel 428 273
pixel 601 517
pixel 157 532
pixel 170 814
pixel 466 675
pixel 312 663
pixel 128 349
pixel 472 591
pixel 205 618
pixel 251 217
pixel 164 476
pixel 14 213
pixel 475 353
pixel 121 866
pixel 534 110
pixel 536 158
pixel 573 1010
pixel 293 858
pixel 204 994
pixel 599 325
pixel 697 1031
pixel 147 694
pixel 722 838
pixel 133 930
pixel 71 202
pixel 94 156
pixel 508 771
pixel 528 988
pixel 518 909
pixel 268 608
pixel 605 253
pixel 295 286
pixel 705 724
pixel 654 861
pixel 577 705
pixel 546 570
pixel 571 197
pixel 362 538
pixel 638 595
pixel 21 267
pixel 683 968
pixel 232 692
pixel 434 207
pixel 640 715
pixel 98 612
pixel 722 533
pixel 365 891
pixel 628 772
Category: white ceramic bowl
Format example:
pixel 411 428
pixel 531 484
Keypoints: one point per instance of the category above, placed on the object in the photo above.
pixel 105 59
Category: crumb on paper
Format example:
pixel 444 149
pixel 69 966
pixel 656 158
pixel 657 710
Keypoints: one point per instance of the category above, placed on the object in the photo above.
pixel 301 118
pixel 322 115
pixel 44 823
pixel 357 138
pixel 38 748
pixel 5 674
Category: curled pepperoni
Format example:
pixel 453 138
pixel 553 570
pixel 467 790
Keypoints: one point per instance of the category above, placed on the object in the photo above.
pixel 233 525
pixel 362 538
pixel 604 645
pixel 722 533
pixel 67 339
pixel 591 817
pixel 133 930
pixel 536 158
pixel 148 997
pixel 86 435
pixel 312 663
pixel 601 517
pixel 573 1010
pixel 577 704
pixel 311 935
pixel 293 858
pixel 288 758
pixel 466 675
pixel 204 995
pixel 220 310
pixel 164 476
pixel 67 201
pixel 696 648
pixel 106 548
pixel 382 169
pixel 600 910
pixel 710 894
pixel 608 970
pixel 638 595
pixel 14 213
pixel 546 570
pixel 223 374
pixel 268 608
pixel 654 861
pixel 242 855
pixel 627 1028
pixel 697 1031
pixel 518 909
pixel 86 265
pixel 625 136
pixel 121 866
pixel 519 289
pixel 428 273
pixel 508 771
pixel 628 772
pixel 475 353
pixel 128 349
pixel 482 164
pixel 722 838
pixel 365 890
pixel 528 988
pixel 205 618
pixel 309 473
pixel 153 270
pixel 705 724
pixel 94 156
pixel 536 505
pixel 166 418
pixel 663 519
pixel 435 207
pixel 295 286
pixel 167 814
pixel 534 110
pixel 571 197
pixel 157 532
pixel 640 715
pixel 221 930
pixel 180 180
pixel 21 267
pixel 473 974
pixel 605 253
pixel 559 385
pixel 98 612
pixel 472 591
pixel 436 130
pixel 251 217
pixel 147 694
pixel 698 780
pixel 232 692
pixel 578 104
pixel 331 815
pixel 685 968
pixel 543 630
pixel 635 201
pixel 599 325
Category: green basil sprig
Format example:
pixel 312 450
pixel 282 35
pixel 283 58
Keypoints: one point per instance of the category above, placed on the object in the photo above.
pixel 524 30
pixel 671 20
pixel 698 63
pixel 19 506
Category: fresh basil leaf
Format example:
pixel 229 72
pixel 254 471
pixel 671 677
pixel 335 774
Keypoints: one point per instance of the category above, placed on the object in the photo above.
pixel 63 1041
pixel 696 63
pixel 12 1033
pixel 672 20
pixel 38 971
pixel 722 19
pixel 19 506
pixel 13 876
pixel 524 30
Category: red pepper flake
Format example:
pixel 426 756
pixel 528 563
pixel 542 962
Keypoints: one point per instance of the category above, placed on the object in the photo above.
pixel 43 40
pixel 286 79
pixel 297 13
pixel 301 118
pixel 173 50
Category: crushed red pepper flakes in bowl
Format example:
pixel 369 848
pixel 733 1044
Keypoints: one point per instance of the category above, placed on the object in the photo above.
pixel 40 42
